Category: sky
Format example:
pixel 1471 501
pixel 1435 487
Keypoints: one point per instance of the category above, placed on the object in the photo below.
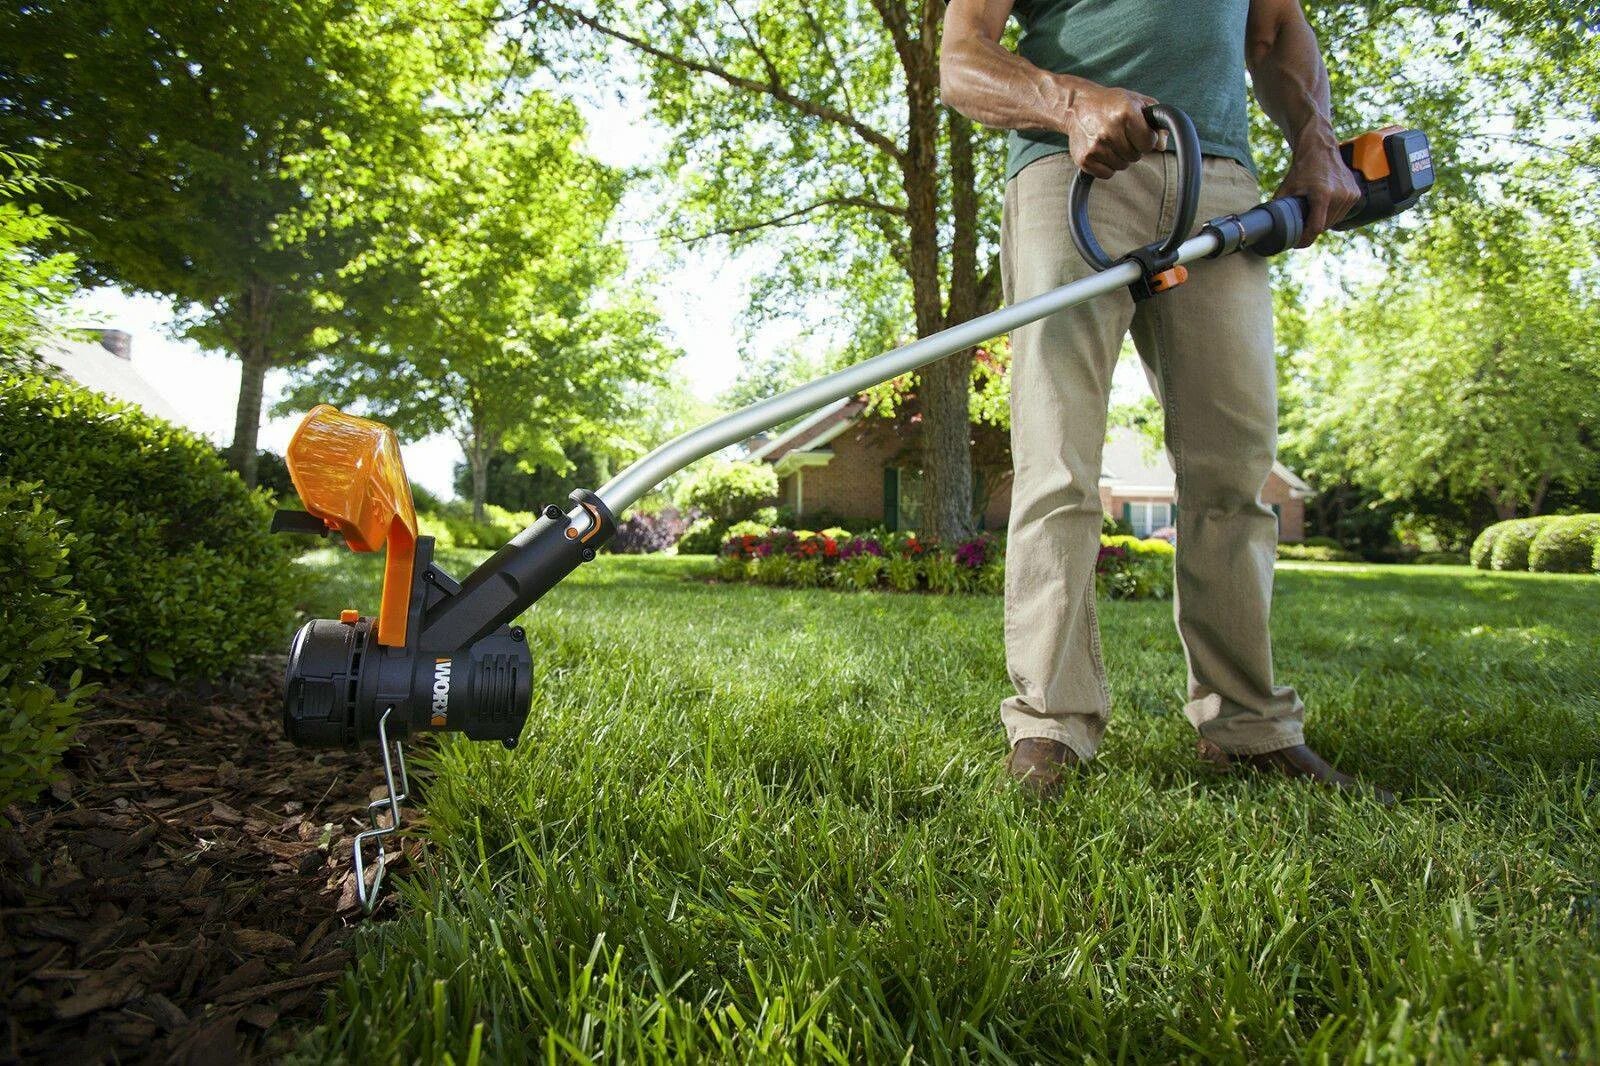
pixel 700 295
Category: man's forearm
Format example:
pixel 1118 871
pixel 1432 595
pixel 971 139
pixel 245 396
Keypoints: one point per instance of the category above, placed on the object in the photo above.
pixel 994 86
pixel 1291 85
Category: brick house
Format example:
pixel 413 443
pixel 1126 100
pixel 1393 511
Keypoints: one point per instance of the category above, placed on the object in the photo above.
pixel 837 464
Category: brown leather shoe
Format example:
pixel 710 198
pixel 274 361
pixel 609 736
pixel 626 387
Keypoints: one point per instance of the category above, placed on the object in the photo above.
pixel 1038 764
pixel 1298 763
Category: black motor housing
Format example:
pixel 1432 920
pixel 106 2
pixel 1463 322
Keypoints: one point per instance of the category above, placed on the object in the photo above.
pixel 340 680
pixel 464 668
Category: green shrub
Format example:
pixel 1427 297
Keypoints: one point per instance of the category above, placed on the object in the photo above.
pixel 745 529
pixel 1317 554
pixel 1511 546
pixel 903 573
pixel 1321 542
pixel 944 574
pixel 805 573
pixel 1482 551
pixel 774 569
pixel 732 568
pixel 704 537
pixel 992 577
pixel 173 555
pixel 1565 545
pixel 728 492
pixel 1440 559
pixel 451 525
pixel 1143 578
pixel 44 639
pixel 860 572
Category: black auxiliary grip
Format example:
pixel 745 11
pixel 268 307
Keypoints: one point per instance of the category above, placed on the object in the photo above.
pixel 1265 229
pixel 1185 144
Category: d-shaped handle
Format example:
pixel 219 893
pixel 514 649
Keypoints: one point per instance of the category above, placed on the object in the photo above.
pixel 1186 144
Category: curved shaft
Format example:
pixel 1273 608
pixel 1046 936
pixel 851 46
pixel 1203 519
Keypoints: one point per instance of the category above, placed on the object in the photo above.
pixel 644 475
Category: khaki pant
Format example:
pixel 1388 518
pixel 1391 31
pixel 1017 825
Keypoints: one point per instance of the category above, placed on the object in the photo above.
pixel 1208 351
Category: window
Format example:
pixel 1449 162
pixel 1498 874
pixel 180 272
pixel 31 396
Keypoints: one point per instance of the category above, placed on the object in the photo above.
pixel 1147 517
pixel 902 498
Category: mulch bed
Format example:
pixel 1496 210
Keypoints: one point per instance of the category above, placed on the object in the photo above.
pixel 183 892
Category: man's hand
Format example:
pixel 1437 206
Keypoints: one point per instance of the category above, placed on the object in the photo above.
pixel 1318 173
pixel 1291 83
pixel 1106 128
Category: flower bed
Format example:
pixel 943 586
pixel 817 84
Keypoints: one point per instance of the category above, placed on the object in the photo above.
pixel 1126 568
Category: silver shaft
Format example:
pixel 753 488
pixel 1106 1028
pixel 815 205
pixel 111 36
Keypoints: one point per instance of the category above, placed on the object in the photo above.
pixel 621 491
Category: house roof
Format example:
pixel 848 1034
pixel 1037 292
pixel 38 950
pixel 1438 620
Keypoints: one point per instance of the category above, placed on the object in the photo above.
pixel 94 365
pixel 1129 464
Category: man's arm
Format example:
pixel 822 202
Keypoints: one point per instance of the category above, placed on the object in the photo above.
pixel 1105 127
pixel 1291 84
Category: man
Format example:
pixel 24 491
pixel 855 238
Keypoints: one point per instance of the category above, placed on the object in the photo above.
pixel 1073 95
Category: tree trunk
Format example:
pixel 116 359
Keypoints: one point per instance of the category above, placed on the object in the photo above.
pixel 945 385
pixel 255 359
pixel 478 460
pixel 247 418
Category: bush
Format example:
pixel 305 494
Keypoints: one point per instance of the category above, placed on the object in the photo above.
pixel 746 529
pixel 451 525
pixel 1511 546
pixel 43 641
pixel 1565 545
pixel 726 493
pixel 903 573
pixel 1321 542
pixel 1481 553
pixel 642 534
pixel 704 537
pixel 860 572
pixel 1316 554
pixel 1440 559
pixel 173 554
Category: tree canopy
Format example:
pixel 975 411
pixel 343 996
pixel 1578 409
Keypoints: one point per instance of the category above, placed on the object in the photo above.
pixel 1475 372
pixel 492 306
pixel 199 132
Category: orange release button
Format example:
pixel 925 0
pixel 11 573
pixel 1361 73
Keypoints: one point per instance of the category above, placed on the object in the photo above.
pixel 349 616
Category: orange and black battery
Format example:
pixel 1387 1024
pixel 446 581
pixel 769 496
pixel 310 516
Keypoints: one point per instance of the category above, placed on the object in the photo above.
pixel 1393 166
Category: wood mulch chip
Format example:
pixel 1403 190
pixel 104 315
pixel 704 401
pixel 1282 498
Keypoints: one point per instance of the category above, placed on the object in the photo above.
pixel 183 891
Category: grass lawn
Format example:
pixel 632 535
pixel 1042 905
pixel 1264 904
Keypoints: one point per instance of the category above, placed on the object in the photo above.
pixel 753 824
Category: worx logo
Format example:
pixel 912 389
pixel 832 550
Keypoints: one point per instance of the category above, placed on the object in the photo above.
pixel 441 693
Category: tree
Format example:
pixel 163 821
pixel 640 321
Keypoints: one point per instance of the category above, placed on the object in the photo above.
pixel 822 123
pixel 1475 373
pixel 34 284
pixel 200 131
pixel 492 305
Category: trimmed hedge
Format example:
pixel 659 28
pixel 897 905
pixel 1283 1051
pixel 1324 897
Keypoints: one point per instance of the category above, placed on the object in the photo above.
pixel 1481 554
pixel 1126 567
pixel 1440 559
pixel 1513 542
pixel 43 638
pixel 1316 553
pixel 1566 545
pixel 173 554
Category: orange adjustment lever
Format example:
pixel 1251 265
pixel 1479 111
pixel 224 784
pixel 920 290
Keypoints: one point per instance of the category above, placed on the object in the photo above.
pixel 349 474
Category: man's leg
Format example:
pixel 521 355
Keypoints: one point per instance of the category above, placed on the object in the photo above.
pixel 1060 381
pixel 1207 346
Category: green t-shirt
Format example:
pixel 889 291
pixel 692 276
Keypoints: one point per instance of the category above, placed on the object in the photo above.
pixel 1188 53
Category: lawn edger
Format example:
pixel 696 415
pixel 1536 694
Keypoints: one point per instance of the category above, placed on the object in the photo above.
pixel 443 655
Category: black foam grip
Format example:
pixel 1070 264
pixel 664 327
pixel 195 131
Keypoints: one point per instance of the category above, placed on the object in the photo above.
pixel 1274 226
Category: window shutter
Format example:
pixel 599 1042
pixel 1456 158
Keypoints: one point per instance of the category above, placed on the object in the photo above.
pixel 1127 516
pixel 891 498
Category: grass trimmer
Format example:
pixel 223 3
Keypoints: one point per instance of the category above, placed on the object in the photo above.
pixel 443 656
